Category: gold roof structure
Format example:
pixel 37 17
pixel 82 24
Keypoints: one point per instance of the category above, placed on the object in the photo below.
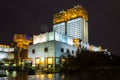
pixel 22 40
pixel 77 11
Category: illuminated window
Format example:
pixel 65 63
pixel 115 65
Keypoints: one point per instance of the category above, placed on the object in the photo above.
pixel 37 61
pixel 46 49
pixel 63 60
pixel 42 61
pixel 33 51
pixel 50 61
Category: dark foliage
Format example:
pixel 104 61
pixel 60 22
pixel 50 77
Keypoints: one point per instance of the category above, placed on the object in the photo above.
pixel 88 58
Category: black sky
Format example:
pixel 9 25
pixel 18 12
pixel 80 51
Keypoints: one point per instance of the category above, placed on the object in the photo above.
pixel 29 17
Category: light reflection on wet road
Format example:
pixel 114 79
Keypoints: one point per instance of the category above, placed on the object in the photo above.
pixel 14 76
pixel 57 76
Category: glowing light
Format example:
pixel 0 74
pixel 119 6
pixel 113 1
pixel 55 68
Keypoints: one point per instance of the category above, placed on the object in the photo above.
pixel 63 60
pixel 14 64
pixel 3 55
pixel 6 64
pixel 42 61
pixel 37 61
pixel 76 42
pixel 62 76
pixel 42 76
pixel 14 74
pixel 77 11
pixel 37 76
pixel 50 60
pixel 39 38
pixel 22 40
pixel 50 76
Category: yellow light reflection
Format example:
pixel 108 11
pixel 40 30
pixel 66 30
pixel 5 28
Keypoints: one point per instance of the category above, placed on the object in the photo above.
pixel 42 76
pixel 50 76
pixel 37 76
pixel 62 76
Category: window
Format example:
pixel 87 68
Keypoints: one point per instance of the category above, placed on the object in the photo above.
pixel 50 60
pixel 33 51
pixel 62 50
pixel 68 51
pixel 46 49
pixel 72 52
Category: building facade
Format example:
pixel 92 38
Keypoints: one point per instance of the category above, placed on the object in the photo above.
pixel 70 32
pixel 50 53
pixel 48 36
pixel 72 22
pixel 6 52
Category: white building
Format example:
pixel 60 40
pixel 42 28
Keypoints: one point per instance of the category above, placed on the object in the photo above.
pixel 48 36
pixel 6 52
pixel 48 48
pixel 49 53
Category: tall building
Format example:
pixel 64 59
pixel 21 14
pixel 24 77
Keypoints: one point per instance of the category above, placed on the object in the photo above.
pixel 72 22
pixel 69 28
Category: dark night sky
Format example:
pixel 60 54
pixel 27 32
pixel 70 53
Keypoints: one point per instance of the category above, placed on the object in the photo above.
pixel 29 17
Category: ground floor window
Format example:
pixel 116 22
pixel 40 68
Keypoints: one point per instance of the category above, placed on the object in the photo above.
pixel 44 61
pixel 63 60
pixel 37 62
pixel 50 60
pixel 57 60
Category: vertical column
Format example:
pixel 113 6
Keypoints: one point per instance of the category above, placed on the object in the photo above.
pixel 86 32
pixel 66 28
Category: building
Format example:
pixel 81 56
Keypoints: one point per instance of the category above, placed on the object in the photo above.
pixel 70 32
pixel 48 48
pixel 6 52
pixel 48 36
pixel 6 55
pixel 22 42
pixel 72 22
pixel 50 53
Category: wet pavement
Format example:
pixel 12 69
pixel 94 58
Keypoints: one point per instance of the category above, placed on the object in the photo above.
pixel 57 76
pixel 39 76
